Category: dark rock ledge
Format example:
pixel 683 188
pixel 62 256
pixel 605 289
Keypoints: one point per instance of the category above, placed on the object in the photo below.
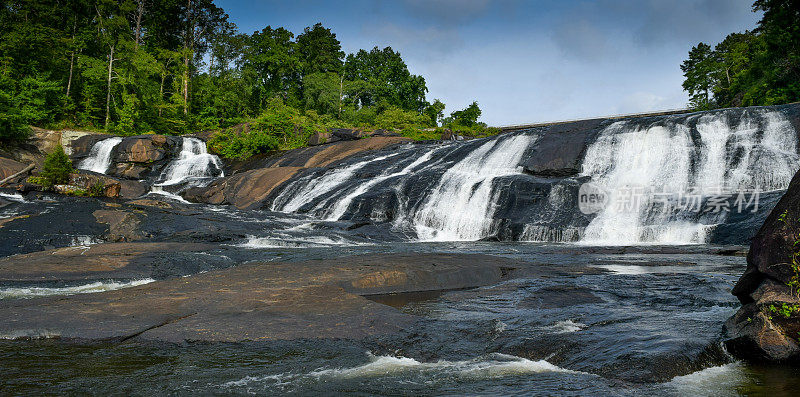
pixel 255 301
pixel 767 327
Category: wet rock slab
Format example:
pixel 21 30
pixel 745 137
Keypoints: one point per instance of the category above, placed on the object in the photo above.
pixel 100 261
pixel 255 301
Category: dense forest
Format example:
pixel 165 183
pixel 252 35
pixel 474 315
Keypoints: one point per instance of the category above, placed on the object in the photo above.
pixel 757 67
pixel 180 66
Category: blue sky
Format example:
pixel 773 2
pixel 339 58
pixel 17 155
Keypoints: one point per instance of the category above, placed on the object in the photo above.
pixel 525 61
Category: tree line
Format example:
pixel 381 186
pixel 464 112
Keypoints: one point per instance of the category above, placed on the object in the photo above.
pixel 755 67
pixel 178 66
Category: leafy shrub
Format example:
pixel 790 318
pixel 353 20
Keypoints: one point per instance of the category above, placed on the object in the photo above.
pixel 399 119
pixel 418 134
pixel 57 167
pixel 280 127
pixel 98 189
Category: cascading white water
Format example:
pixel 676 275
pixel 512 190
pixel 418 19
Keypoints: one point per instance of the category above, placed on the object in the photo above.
pixel 317 187
pixel 462 205
pixel 459 207
pixel 100 156
pixel 342 204
pixel 193 163
pixel 757 153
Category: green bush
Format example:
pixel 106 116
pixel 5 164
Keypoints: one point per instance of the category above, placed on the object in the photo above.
pixel 98 189
pixel 399 119
pixel 419 134
pixel 57 167
pixel 280 127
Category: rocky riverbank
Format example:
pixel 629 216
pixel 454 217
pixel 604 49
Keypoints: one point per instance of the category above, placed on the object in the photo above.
pixel 767 327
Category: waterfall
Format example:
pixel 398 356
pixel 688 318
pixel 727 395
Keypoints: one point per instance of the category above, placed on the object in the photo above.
pixel 100 156
pixel 193 166
pixel 311 188
pixel 341 205
pixel 704 154
pixel 462 205
pixel 454 197
pixel 476 189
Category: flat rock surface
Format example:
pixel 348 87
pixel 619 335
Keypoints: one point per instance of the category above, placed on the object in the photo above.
pixel 112 260
pixel 255 301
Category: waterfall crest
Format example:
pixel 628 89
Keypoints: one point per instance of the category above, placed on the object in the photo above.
pixel 99 158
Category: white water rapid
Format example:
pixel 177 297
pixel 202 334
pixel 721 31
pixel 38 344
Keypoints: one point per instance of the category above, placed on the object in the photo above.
pixel 100 156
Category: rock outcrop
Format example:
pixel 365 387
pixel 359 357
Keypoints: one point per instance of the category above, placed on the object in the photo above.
pixel 244 190
pixel 9 167
pixel 767 326
pixel 560 150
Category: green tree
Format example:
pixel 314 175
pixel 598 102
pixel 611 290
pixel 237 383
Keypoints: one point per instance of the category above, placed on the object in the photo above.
pixel 57 167
pixel 386 79
pixel 272 56
pixel 759 67
pixel 319 51
pixel 434 112
pixel 700 79
pixel 467 117
pixel 321 92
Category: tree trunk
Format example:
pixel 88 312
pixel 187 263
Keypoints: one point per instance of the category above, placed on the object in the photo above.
pixel 72 56
pixel 188 43
pixel 12 177
pixel 161 94
pixel 341 87
pixel 69 80
pixel 139 13
pixel 185 87
pixel 108 90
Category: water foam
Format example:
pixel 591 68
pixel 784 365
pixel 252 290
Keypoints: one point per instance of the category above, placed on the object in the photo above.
pixel 714 381
pixel 491 366
pixel 16 197
pixel 32 292
pixel 256 242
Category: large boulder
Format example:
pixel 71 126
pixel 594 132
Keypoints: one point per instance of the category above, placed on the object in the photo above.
pixel 145 149
pixel 767 327
pixel 139 157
